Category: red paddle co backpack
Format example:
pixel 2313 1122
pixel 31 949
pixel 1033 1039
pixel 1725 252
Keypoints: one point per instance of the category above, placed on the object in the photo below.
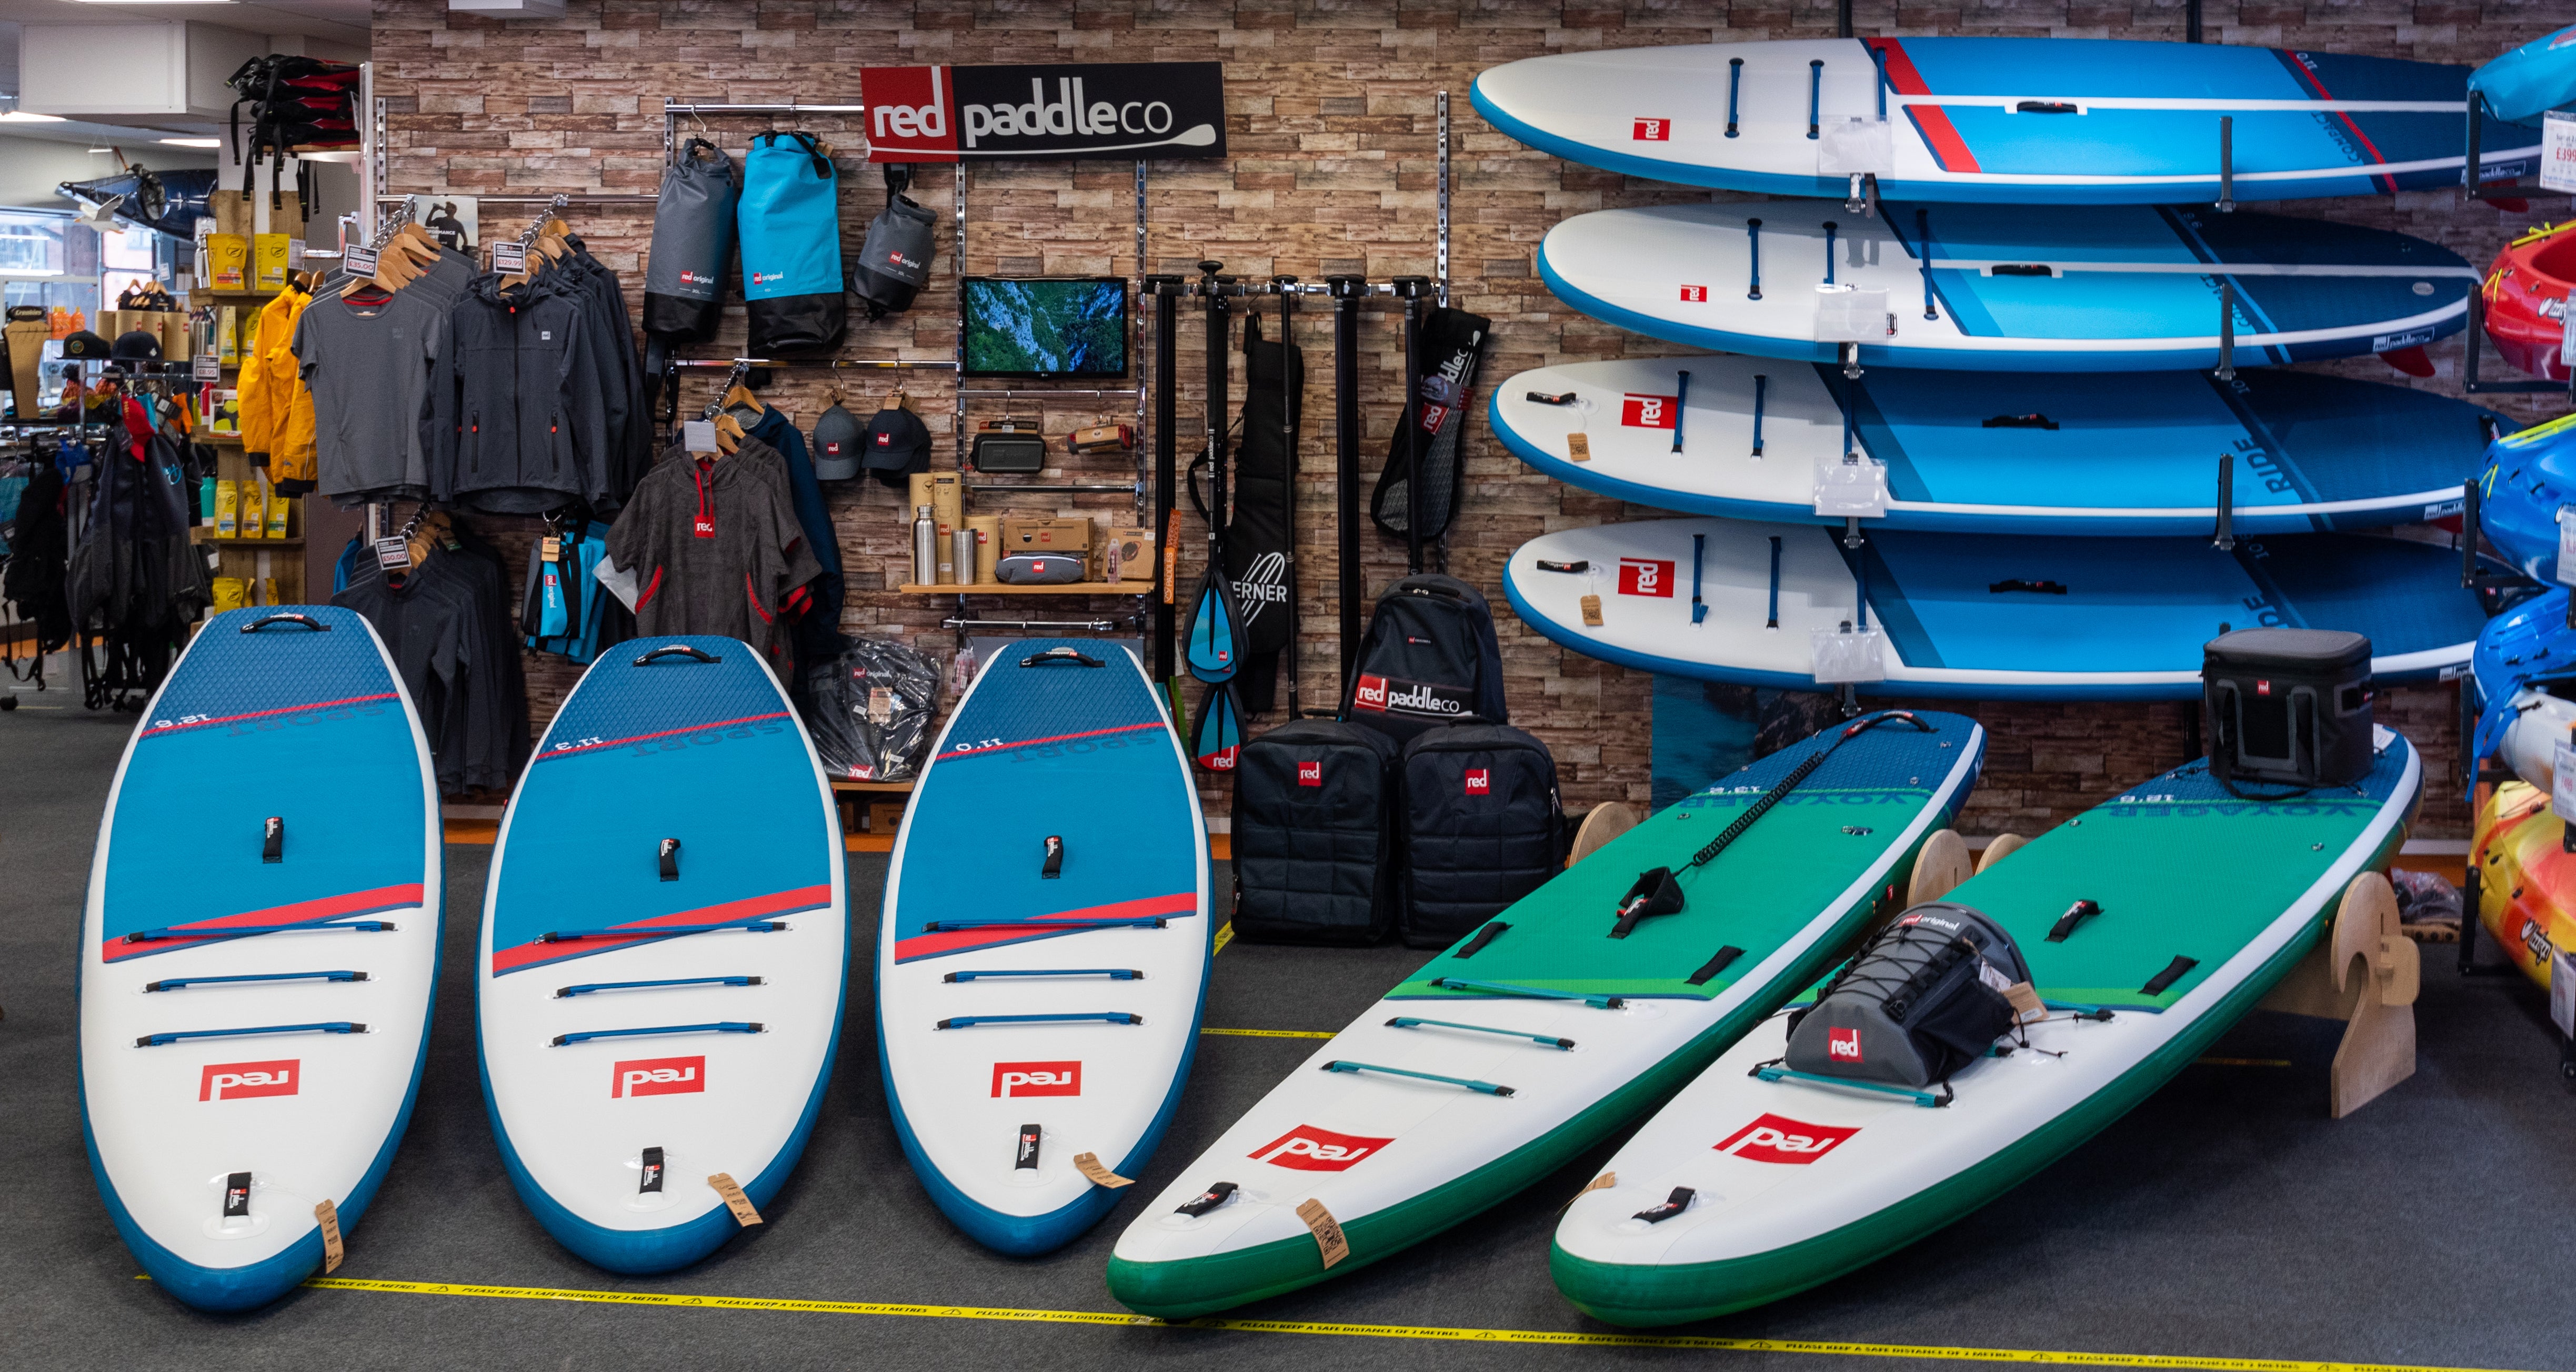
pixel 1429 658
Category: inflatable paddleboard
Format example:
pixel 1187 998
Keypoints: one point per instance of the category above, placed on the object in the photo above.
pixel 2009 288
pixel 2043 618
pixel 664 954
pixel 1975 452
pixel 1044 951
pixel 1556 1023
pixel 258 953
pixel 2066 121
pixel 2527 879
pixel 1759 1187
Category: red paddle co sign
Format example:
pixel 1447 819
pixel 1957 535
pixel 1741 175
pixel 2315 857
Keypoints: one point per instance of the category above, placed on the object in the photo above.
pixel 1030 113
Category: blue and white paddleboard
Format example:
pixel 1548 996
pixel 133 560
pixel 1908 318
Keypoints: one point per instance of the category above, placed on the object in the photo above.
pixel 2529 81
pixel 1978 617
pixel 1043 957
pixel 258 953
pixel 1976 452
pixel 2067 121
pixel 664 954
pixel 2005 287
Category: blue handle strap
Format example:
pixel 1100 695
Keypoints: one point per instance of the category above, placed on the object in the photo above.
pixel 730 1026
pixel 337 1026
pixel 1753 255
pixel 1774 622
pixel 1504 988
pixel 1681 408
pixel 1734 88
pixel 174 983
pixel 1815 94
pixel 1415 1022
pixel 568 992
pixel 1487 1087
pixel 944 926
pixel 1923 244
pixel 1110 1016
pixel 363 926
pixel 758 926
pixel 1699 553
pixel 1829 252
pixel 1925 1099
pixel 1113 973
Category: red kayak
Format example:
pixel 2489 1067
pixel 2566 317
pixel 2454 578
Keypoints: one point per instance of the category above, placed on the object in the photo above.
pixel 2526 299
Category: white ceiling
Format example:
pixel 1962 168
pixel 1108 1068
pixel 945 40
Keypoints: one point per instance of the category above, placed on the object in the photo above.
pixel 340 21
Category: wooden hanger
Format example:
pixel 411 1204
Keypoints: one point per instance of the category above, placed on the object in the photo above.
pixel 739 394
pixel 729 434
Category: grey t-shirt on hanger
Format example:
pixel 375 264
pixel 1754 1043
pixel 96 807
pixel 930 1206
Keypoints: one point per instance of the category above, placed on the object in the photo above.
pixel 369 364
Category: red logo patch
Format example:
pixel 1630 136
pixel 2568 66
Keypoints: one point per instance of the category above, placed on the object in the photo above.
pixel 1370 694
pixel 1037 1078
pixel 1645 576
pixel 1775 1138
pixel 2262 688
pixel 1480 781
pixel 1650 411
pixel 1694 295
pixel 1310 774
pixel 657 1077
pixel 912 109
pixel 236 1080
pixel 1843 1045
pixel 1309 1149
pixel 1651 130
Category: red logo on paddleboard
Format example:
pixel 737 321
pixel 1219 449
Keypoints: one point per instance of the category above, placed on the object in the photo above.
pixel 1651 130
pixel 657 1077
pixel 1310 774
pixel 1309 1149
pixel 1037 1078
pixel 1370 694
pixel 1694 295
pixel 1650 411
pixel 1774 1138
pixel 1843 1045
pixel 236 1080
pixel 1480 782
pixel 1645 576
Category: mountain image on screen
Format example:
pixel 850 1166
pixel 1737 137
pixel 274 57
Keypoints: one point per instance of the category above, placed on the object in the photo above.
pixel 1046 327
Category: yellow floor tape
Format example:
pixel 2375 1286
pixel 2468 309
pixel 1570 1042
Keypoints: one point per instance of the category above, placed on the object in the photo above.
pixel 1272 1033
pixel 1224 936
pixel 1562 1339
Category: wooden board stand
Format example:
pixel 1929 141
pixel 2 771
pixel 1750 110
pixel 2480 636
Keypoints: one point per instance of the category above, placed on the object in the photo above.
pixel 1607 821
pixel 1939 867
pixel 2376 1000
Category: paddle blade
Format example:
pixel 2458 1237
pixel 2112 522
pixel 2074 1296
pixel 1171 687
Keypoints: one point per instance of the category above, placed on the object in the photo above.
pixel 1218 741
pixel 1210 650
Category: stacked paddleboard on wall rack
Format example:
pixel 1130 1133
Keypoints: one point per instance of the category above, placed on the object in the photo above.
pixel 2038 332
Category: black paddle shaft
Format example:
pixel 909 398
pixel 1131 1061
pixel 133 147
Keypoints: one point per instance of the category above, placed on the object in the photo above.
pixel 1209 285
pixel 1346 292
pixel 1166 291
pixel 1294 400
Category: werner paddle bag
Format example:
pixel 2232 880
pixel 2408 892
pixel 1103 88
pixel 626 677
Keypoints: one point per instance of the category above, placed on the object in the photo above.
pixel 2287 707
pixel 895 260
pixel 1256 542
pixel 1435 418
pixel 1315 854
pixel 1483 827
pixel 790 222
pixel 1921 1000
pixel 1429 658
pixel 693 236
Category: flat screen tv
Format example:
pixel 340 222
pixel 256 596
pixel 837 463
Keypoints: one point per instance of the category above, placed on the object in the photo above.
pixel 1046 327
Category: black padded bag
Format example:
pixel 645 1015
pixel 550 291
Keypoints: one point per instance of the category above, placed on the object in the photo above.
pixel 1483 827
pixel 894 260
pixel 1916 1004
pixel 1429 658
pixel 1434 421
pixel 1256 543
pixel 2287 707
pixel 1315 854
pixel 693 240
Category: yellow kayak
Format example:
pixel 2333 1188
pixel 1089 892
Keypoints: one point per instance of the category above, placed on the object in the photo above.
pixel 2527 880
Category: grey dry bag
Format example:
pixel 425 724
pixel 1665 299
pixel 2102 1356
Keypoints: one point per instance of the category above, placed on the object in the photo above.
pixel 895 261
pixel 1921 1000
pixel 693 233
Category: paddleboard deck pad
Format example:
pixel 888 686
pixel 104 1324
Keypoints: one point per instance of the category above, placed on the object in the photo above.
pixel 2028 288
pixel 1974 452
pixel 2068 121
pixel 259 951
pixel 1746 1189
pixel 664 954
pixel 2039 618
pixel 1043 957
pixel 1551 1026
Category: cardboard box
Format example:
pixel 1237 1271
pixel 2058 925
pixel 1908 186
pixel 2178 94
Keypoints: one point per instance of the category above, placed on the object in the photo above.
pixel 269 260
pixel 228 261
pixel 946 498
pixel 236 213
pixel 1053 534
pixel 1127 554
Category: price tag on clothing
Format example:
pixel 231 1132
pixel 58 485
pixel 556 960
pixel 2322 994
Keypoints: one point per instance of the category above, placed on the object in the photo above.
pixel 550 550
pixel 509 258
pixel 699 436
pixel 359 261
pixel 394 554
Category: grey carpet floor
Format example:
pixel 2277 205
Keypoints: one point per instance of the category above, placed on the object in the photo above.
pixel 2225 1218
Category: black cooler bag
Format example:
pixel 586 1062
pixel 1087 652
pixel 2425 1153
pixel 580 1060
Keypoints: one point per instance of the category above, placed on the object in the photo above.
pixel 1315 856
pixel 1482 827
pixel 2287 707
pixel 1429 658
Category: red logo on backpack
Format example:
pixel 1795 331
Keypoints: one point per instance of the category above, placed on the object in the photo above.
pixel 1310 774
pixel 1480 781
pixel 1843 1045
pixel 1370 694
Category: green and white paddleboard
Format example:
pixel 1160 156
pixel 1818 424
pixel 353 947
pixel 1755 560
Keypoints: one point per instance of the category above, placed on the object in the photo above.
pixel 1759 1188
pixel 1535 1037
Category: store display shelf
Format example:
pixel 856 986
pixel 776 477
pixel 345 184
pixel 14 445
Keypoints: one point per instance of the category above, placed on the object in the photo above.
pixel 221 542
pixel 873 787
pixel 1132 588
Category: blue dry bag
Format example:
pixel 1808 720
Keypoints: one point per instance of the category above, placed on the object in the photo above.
pixel 791 245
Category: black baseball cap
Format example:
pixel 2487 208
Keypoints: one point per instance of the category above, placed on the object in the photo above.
pixel 85 345
pixel 837 440
pixel 896 444
pixel 135 345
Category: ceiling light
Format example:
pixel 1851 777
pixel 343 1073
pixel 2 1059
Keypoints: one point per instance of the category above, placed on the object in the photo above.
pixel 156 2
pixel 190 142
pixel 29 117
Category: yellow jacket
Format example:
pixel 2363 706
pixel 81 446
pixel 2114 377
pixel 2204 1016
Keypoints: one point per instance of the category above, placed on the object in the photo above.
pixel 276 408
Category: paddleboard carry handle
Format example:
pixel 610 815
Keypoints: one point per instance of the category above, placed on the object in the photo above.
pixel 2034 420
pixel 1216 1195
pixel 1734 89
pixel 1761 383
pixel 1815 95
pixel 1416 1022
pixel 272 839
pixel 1929 1101
pixel 2047 107
pixel 1699 555
pixel 2227 164
pixel 2074 918
pixel 1053 868
pixel 1724 959
pixel 1113 973
pixel 1674 1204
pixel 1753 255
pixel 1504 988
pixel 362 926
pixel 730 1026
pixel 1681 407
pixel 176 983
pixel 669 857
pixel 1105 1016
pixel 337 1026
pixel 2224 536
pixel 298 620
pixel 758 926
pixel 1774 620
pixel 1923 241
pixel 676 650
pixel 950 926
pixel 1482 1087
pixel 2174 971
pixel 590 987
pixel 1493 930
pixel 1071 655
pixel 1830 228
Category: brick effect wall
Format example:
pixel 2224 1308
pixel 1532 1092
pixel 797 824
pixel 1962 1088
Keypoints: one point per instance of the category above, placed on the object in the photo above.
pixel 1332 139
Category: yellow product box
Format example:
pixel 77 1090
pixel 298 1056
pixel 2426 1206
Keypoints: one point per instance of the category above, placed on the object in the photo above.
pixel 279 506
pixel 227 337
pixel 254 508
pixel 228 261
pixel 1053 534
pixel 227 509
pixel 269 256
pixel 229 591
pixel 267 589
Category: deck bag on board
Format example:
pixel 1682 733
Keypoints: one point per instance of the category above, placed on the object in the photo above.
pixel 1435 419
pixel 874 709
pixel 895 260
pixel 1483 827
pixel 790 221
pixel 1921 1000
pixel 1429 657
pixel 693 235
pixel 1315 854
pixel 2287 707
